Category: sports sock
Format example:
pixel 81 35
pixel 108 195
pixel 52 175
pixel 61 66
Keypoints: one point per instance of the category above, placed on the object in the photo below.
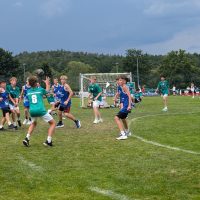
pixel 28 136
pixel 49 139
pixel 9 123
pixel 15 123
pixel 122 133
pixel 1 126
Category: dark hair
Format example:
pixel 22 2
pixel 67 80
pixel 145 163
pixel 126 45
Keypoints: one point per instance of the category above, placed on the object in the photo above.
pixel 33 80
pixel 137 89
pixel 123 77
pixel 162 75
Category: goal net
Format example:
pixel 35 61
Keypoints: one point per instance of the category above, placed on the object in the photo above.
pixel 107 82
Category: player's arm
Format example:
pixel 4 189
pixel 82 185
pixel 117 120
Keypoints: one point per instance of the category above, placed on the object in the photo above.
pixel 68 88
pixel 22 93
pixel 126 90
pixel 47 83
pixel 17 99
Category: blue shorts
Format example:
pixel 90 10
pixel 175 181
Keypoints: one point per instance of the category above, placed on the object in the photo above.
pixel 26 104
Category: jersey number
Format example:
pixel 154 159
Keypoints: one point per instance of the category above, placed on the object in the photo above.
pixel 34 99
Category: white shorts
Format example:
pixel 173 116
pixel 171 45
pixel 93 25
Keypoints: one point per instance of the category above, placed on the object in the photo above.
pixel 12 107
pixel 47 117
pixel 96 103
pixel 164 95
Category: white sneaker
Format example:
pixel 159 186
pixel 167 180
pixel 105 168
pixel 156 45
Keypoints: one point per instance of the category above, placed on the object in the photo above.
pixel 100 120
pixel 29 122
pixel 96 121
pixel 165 109
pixel 122 137
pixel 25 121
pixel 128 133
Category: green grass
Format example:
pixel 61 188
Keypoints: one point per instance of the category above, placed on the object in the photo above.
pixel 91 157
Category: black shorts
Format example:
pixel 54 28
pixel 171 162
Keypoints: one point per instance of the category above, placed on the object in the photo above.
pixel 122 115
pixel 138 100
pixel 5 110
pixel 65 109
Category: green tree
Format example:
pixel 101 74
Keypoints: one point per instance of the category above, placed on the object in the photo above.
pixel 9 65
pixel 47 70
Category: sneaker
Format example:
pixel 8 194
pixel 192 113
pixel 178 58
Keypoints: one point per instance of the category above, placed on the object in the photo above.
pixel 15 127
pixel 96 121
pixel 26 142
pixel 59 125
pixel 11 126
pixel 19 122
pixel 25 122
pixel 48 144
pixel 122 137
pixel 100 120
pixel 29 122
pixel 78 124
pixel 2 129
pixel 164 109
pixel 128 133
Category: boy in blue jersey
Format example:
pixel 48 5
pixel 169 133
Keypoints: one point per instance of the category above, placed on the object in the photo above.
pixel 4 106
pixel 24 96
pixel 125 102
pixel 66 94
pixel 37 109
pixel 163 88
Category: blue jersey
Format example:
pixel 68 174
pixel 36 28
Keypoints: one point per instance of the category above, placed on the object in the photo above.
pixel 56 91
pixel 124 99
pixel 5 100
pixel 63 94
pixel 26 88
pixel 119 90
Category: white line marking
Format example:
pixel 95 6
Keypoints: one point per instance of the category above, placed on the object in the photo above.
pixel 30 164
pixel 109 193
pixel 158 144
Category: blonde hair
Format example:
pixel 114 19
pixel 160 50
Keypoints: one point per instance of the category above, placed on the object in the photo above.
pixel 13 78
pixel 93 77
pixel 63 77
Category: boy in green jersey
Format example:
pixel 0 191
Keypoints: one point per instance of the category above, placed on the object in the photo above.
pixel 95 91
pixel 14 94
pixel 37 109
pixel 163 88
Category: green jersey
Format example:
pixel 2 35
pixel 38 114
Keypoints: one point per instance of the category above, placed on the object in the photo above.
pixel 50 98
pixel 130 86
pixel 14 92
pixel 163 87
pixel 95 90
pixel 138 95
pixel 35 97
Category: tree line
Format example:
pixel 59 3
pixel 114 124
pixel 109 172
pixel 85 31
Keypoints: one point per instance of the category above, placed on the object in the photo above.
pixel 180 67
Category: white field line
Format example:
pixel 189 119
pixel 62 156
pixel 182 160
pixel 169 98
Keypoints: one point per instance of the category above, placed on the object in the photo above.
pixel 109 193
pixel 32 165
pixel 158 144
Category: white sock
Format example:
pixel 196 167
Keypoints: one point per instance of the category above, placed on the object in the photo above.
pixel 9 123
pixel 49 139
pixel 28 136
pixel 126 130
pixel 1 126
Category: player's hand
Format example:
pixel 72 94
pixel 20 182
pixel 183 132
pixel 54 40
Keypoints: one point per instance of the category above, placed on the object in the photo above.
pixel 1 99
pixel 66 102
pixel 129 108
pixel 95 98
pixel 47 80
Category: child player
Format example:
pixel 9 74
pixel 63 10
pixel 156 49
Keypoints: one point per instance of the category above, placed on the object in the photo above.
pixel 14 93
pixel 65 94
pixel 4 106
pixel 95 91
pixel 125 101
pixel 163 88
pixel 23 95
pixel 37 109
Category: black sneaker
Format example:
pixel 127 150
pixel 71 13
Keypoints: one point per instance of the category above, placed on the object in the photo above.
pixel 78 124
pixel 2 129
pixel 48 143
pixel 19 122
pixel 15 127
pixel 11 126
pixel 59 125
pixel 26 142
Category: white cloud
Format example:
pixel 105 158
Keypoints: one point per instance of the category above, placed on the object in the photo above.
pixel 187 40
pixel 18 4
pixel 52 8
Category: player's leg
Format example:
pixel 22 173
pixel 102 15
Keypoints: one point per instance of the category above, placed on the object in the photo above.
pixel 18 115
pixel 30 132
pixel 52 124
pixel 60 123
pixel 7 117
pixel 126 129
pixel 70 116
pixel 118 120
pixel 26 114
pixel 165 101
pixel 97 114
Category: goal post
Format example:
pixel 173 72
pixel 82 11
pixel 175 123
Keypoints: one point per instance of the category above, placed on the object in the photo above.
pixel 107 82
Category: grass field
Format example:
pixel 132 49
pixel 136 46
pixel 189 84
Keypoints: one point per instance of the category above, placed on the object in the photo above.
pixel 89 163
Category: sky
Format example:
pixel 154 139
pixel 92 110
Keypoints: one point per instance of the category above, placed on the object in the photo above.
pixel 100 26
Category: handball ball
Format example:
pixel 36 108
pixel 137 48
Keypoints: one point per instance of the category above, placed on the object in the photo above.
pixel 39 72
